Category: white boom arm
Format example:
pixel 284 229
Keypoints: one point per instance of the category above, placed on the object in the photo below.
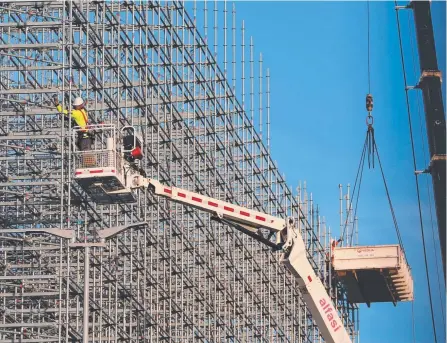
pixel 293 257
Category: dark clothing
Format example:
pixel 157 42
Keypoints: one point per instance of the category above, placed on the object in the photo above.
pixel 133 152
pixel 128 142
pixel 84 142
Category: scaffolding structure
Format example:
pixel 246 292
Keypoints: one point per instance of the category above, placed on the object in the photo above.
pixel 170 274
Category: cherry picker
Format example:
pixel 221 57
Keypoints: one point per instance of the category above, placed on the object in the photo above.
pixel 370 274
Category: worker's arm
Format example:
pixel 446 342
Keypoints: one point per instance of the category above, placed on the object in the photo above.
pixel 61 110
pixel 58 105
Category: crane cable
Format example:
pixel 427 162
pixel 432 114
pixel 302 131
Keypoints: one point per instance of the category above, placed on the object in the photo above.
pixel 366 145
pixel 415 168
pixel 399 237
pixel 370 147
pixel 358 179
pixel 369 49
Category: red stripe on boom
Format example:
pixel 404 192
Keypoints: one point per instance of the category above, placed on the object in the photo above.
pixel 196 199
pixel 245 214
pixel 183 195
pixel 96 171
pixel 212 204
pixel 260 218
pixel 226 208
pixel 167 190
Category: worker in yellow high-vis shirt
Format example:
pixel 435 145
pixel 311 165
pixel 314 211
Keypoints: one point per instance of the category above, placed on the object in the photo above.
pixel 80 116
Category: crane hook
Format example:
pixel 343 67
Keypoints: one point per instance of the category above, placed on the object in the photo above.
pixel 369 108
pixel 369 103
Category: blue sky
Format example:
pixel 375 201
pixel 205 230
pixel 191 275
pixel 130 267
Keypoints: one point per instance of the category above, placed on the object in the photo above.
pixel 317 55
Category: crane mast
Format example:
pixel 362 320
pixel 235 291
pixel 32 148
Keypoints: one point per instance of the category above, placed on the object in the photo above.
pixel 288 239
pixel 430 85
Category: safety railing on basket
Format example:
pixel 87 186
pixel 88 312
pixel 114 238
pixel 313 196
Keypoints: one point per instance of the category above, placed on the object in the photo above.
pixel 119 162
pixel 102 137
pixel 95 159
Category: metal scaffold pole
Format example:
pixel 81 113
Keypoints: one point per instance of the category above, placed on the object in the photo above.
pixel 86 292
pixel 153 66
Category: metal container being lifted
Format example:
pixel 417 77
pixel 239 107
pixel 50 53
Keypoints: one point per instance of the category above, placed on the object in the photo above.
pixel 373 273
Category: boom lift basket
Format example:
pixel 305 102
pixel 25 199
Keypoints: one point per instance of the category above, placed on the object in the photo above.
pixel 102 171
pixel 373 273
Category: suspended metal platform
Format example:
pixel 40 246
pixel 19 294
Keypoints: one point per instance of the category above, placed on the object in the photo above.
pixel 373 273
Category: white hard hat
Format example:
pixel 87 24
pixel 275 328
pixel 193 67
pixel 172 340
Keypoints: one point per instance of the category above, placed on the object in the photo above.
pixel 78 101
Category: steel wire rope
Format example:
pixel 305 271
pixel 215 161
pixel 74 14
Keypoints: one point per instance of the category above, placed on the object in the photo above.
pixel 424 151
pixel 358 195
pixel 365 145
pixel 359 172
pixel 415 167
pixel 399 237
pixel 412 322
pixel 369 48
